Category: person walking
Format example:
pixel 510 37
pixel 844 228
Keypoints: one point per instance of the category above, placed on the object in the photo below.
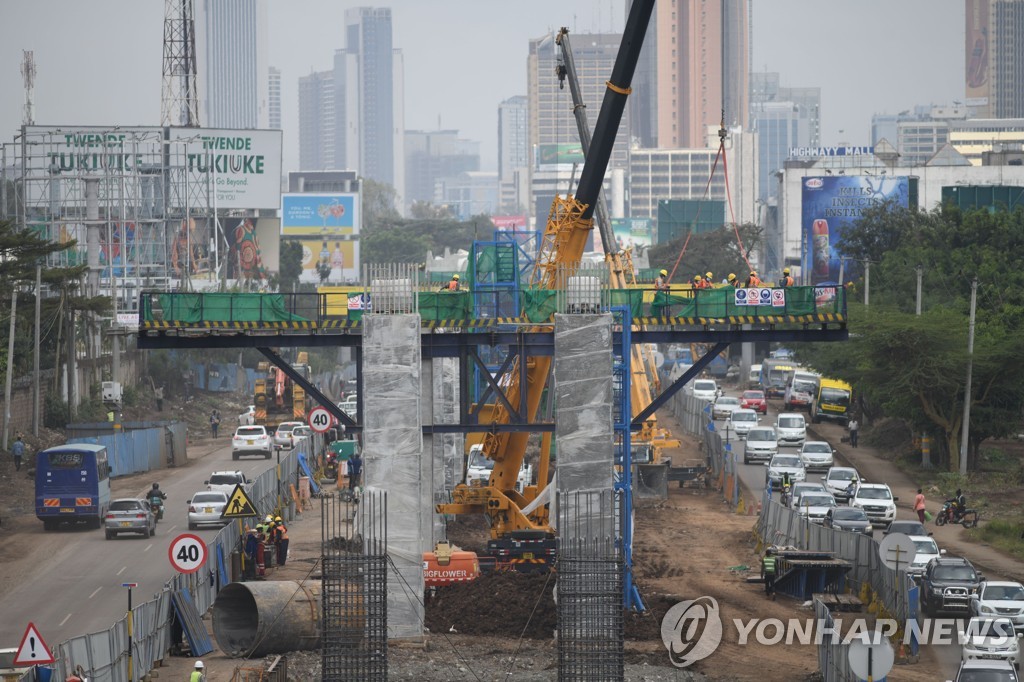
pixel 158 393
pixel 214 422
pixel 768 572
pixel 355 468
pixel 18 451
pixel 198 674
pixel 854 427
pixel 919 505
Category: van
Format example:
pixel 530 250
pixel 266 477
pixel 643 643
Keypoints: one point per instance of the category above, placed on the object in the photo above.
pixel 791 428
pixel 832 401
pixel 800 390
pixel 479 468
pixel 754 378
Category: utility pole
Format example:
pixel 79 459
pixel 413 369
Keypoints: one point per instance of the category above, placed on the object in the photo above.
pixel 867 281
pixel 10 366
pixel 920 274
pixel 966 425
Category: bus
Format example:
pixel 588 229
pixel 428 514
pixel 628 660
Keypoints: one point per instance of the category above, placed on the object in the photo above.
pixel 774 375
pixel 832 401
pixel 72 484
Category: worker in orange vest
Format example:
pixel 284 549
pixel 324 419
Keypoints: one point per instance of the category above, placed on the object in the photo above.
pixel 452 285
pixel 281 533
pixel 753 280
pixel 733 282
pixel 709 281
pixel 787 279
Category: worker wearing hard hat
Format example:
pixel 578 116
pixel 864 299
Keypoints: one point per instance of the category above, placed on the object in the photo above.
pixel 709 280
pixel 787 279
pixel 661 281
pixel 733 282
pixel 281 533
pixel 453 284
pixel 753 280
pixel 699 283
pixel 198 673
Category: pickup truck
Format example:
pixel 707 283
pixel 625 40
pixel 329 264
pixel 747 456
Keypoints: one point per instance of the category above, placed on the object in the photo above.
pixel 947 585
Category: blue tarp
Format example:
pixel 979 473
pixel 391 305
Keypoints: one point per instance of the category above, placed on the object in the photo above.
pixel 129 452
pixel 219 377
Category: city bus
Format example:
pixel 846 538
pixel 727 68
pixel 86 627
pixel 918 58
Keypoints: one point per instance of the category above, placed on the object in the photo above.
pixel 72 484
pixel 832 401
pixel 774 376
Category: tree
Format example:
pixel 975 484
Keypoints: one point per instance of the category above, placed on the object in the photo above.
pixel 291 264
pixel 379 203
pixel 717 251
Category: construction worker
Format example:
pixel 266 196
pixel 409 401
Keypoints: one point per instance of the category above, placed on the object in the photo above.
pixel 251 543
pixel 709 280
pixel 698 282
pixel 753 280
pixel 282 540
pixel 787 279
pixel 661 281
pixel 271 540
pixel 453 284
pixel 733 282
pixel 355 468
pixel 197 673
pixel 768 572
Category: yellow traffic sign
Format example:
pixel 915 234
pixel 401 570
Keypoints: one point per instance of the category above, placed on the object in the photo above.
pixel 239 505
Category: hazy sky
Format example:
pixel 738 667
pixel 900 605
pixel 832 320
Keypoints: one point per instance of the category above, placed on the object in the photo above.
pixel 98 62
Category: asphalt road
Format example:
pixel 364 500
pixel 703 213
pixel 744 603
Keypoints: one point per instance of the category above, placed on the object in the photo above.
pixel 77 590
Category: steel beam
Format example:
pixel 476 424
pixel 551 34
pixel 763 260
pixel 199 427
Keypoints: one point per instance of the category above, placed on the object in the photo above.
pixel 324 401
pixel 666 395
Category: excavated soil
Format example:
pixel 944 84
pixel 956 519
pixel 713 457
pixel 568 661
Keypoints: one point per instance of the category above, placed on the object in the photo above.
pixel 503 603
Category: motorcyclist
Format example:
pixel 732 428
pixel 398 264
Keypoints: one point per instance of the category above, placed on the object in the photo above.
pixel 156 499
pixel 957 505
pixel 851 490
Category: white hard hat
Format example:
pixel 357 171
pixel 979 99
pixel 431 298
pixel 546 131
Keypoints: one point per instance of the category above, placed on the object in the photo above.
pixel 199 664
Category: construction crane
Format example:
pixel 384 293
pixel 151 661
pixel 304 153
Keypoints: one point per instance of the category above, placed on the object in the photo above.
pixel 561 252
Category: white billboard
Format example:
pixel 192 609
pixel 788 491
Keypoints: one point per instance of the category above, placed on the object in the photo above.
pixel 244 166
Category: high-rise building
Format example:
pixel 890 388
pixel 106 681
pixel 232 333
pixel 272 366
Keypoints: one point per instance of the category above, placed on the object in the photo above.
pixel 433 155
pixel 231 49
pixel 274 98
pixel 513 150
pixel 783 118
pixel 702 68
pixel 995 60
pixel 317 122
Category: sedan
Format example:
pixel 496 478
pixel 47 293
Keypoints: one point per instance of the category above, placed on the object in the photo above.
pixel 129 515
pixel 817 454
pixel 906 528
pixel 283 434
pixel 815 505
pixel 838 481
pixel 754 400
pixel 1000 598
pixel 848 518
pixel 205 508
pixel 741 422
pixel 724 407
pixel 785 464
pixel 251 440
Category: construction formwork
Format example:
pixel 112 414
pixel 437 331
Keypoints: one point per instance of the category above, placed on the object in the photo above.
pixel 354 565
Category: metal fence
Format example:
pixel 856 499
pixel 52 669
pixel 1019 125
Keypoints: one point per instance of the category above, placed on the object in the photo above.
pixel 833 656
pixel 104 654
pixel 694 415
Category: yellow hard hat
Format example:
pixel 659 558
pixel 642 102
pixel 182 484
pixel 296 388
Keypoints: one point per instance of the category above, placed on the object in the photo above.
pixel 732 276
pixel 696 278
pixel 664 273
pixel 455 276
pixel 278 519
pixel 708 275
pixel 753 272
pixel 785 271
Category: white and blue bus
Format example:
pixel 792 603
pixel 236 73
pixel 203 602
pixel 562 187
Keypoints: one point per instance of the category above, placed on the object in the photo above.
pixel 72 484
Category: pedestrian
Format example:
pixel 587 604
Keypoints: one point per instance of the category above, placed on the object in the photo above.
pixel 282 540
pixel 854 427
pixel 661 281
pixel 753 280
pixel 158 393
pixel 355 467
pixel 787 279
pixel 77 675
pixel 197 673
pixel 452 285
pixel 214 422
pixel 768 572
pixel 18 451
pixel 919 505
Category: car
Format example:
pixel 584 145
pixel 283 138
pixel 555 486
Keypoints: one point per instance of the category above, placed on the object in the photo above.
pixel 947 585
pixel 301 431
pixel 247 418
pixel 817 454
pixel 906 527
pixel 848 518
pixel 225 481
pixel 877 501
pixel 129 515
pixel 986 671
pixel 1000 598
pixel 205 508
pixel 926 550
pixel 791 428
pixel 724 406
pixel 798 489
pixel 705 389
pixel 782 464
pixel 754 400
pixel 814 505
pixel 837 481
pixel 251 440
pixel 283 434
pixel 989 638
pixel 761 444
pixel 741 421
pixel 349 405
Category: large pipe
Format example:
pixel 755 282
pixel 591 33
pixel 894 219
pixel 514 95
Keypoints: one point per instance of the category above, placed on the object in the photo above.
pixel 257 619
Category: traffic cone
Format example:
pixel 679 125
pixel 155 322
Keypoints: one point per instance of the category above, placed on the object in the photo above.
pixel 741 508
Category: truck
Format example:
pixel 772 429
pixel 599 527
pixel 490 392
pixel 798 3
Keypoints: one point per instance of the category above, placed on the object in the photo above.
pixel 832 401
pixel 774 374
pixel 279 399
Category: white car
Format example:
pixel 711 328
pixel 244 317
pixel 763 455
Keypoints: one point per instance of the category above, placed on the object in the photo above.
pixel 741 421
pixel 205 508
pixel 251 440
pixel 784 464
pixel 761 444
pixel 791 428
pixel 999 598
pixel 349 405
pixel 990 638
pixel 247 418
pixel 877 502
pixel 724 407
pixel 814 505
pixel 838 479
pixel 479 468
pixel 225 481
pixel 799 489
pixel 705 389
pixel 926 550
pixel 283 434
pixel 817 455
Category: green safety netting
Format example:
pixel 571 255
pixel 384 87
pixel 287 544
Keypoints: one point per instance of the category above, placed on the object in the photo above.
pixel 486 260
pixel 225 308
pixel 722 303
pixel 631 298
pixel 539 304
pixel 445 305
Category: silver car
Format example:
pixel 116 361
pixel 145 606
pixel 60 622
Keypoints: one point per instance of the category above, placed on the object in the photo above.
pixel 817 455
pixel 205 508
pixel 761 444
pixel 129 515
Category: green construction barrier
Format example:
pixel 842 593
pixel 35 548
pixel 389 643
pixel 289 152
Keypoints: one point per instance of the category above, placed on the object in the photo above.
pixel 721 303
pixel 226 308
pixel 539 304
pixel 631 298
pixel 445 305
pixel 343 449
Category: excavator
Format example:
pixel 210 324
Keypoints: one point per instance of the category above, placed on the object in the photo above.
pixel 520 531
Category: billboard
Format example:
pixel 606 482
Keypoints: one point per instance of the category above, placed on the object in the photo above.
pixel 562 154
pixel 509 222
pixel 830 204
pixel 633 232
pixel 338 259
pixel 243 166
pixel 245 258
pixel 977 52
pixel 330 215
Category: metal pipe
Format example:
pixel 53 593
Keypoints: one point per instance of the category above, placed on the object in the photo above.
pixel 256 619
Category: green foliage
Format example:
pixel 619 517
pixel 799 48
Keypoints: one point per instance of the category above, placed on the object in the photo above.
pixel 290 264
pixel 379 202
pixel 407 241
pixel 717 251
pixel 56 414
pixel 1006 535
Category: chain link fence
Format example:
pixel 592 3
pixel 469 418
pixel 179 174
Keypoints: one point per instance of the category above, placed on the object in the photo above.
pixel 694 415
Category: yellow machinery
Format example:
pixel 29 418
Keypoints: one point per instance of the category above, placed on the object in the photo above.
pixel 278 398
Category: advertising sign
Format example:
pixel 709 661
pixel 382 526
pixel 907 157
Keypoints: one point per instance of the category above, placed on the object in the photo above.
pixel 977 52
pixel 330 215
pixel 833 203
pixel 562 154
pixel 632 232
pixel 338 258
pixel 509 222
pixel 244 166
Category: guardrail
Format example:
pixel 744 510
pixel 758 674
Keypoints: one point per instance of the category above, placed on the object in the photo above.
pixel 104 654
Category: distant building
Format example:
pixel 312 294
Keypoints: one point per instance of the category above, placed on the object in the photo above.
pixel 995 61
pixel 513 151
pixel 468 194
pixel 783 118
pixel 431 156
pixel 274 98
pixel 231 49
pixel 317 121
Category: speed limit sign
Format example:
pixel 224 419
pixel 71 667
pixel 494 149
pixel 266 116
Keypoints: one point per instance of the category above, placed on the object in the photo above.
pixel 320 419
pixel 187 553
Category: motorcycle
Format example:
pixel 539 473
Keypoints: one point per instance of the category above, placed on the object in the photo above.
pixel 952 514
pixel 157 503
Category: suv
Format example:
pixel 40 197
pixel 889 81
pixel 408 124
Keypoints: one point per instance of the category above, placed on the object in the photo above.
pixel 877 502
pixel 225 481
pixel 283 435
pixel 986 671
pixel 947 585
pixel 705 389
pixel 251 440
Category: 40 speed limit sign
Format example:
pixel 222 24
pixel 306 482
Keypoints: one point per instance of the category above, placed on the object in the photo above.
pixel 320 419
pixel 187 553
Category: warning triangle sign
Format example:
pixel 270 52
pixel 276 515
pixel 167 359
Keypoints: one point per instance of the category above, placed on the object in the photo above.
pixel 239 505
pixel 33 650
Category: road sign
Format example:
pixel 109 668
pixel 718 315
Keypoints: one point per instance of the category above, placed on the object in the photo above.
pixel 320 419
pixel 187 553
pixel 239 505
pixel 871 658
pixel 33 650
pixel 897 551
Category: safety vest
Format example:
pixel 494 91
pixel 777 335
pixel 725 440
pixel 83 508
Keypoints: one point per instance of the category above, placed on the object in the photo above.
pixel 197 676
pixel 753 281
pixel 769 565
pixel 282 532
pixel 787 281
pixel 453 285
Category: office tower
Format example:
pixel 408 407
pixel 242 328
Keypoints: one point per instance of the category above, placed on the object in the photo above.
pixel 231 49
pixel 995 60
pixel 513 149
pixel 783 118
pixel 317 122
pixel 431 156
pixel 274 98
